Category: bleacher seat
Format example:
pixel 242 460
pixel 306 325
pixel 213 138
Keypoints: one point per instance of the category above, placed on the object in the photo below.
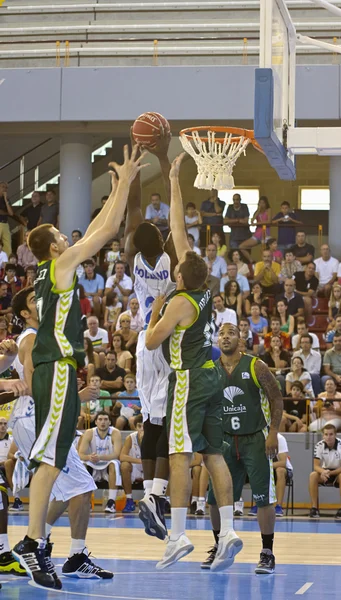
pixel 322 306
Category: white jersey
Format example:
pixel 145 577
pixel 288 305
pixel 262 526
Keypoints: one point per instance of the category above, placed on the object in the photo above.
pixel 24 405
pixel 135 450
pixel 151 282
pixel 100 446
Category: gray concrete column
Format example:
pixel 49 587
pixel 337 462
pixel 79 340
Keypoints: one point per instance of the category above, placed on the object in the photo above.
pixel 75 183
pixel 335 206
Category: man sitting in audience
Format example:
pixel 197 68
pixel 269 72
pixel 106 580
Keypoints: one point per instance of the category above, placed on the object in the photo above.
pixel 111 375
pixel 302 329
pixel 267 273
pixel 249 339
pixel 120 283
pixel 295 301
pixel 136 319
pixel 157 212
pixel 326 270
pixel 221 315
pixel 97 335
pixel 331 334
pixel 311 360
pixel 290 265
pixel 131 463
pixel 282 471
pixel 275 324
pixel 19 270
pixel 129 403
pixel 25 256
pixel 233 275
pixel 306 285
pixel 217 263
pixel 303 251
pixel 327 467
pixel 332 362
pixel 93 285
pixel 294 413
pixel 100 449
pixel 13 282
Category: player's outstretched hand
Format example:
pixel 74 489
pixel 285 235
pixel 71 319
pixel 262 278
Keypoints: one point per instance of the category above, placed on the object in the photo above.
pixel 175 168
pixel 158 303
pixel 271 444
pixel 131 166
pixel 162 141
pixel 88 394
pixel 9 348
pixel 17 386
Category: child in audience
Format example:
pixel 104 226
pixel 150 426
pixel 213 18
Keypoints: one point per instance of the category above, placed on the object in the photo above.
pixel 112 311
pixel 112 256
pixel 131 407
pixel 294 413
pixel 277 255
pixel 334 303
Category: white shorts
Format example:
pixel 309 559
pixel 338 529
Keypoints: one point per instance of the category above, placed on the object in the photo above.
pixel 72 481
pixel 136 473
pixel 152 373
pixel 102 474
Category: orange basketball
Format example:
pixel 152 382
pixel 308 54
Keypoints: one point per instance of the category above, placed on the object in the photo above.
pixel 147 126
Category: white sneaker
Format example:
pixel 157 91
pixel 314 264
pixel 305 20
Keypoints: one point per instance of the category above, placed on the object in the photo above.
pixel 174 551
pixel 228 547
pixel 238 508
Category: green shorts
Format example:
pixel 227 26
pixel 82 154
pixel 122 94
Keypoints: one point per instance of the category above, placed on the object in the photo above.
pixel 245 455
pixel 194 412
pixel 57 408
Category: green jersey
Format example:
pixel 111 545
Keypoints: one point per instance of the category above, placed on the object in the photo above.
pixel 246 407
pixel 60 332
pixel 191 347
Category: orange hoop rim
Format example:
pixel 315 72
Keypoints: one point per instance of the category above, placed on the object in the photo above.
pixel 237 133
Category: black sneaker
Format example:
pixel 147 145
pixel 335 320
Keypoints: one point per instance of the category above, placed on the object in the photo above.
pixel 338 515
pixel 79 566
pixel 193 508
pixel 152 516
pixel 314 513
pixel 17 505
pixel 31 556
pixel 266 564
pixel 50 566
pixel 206 564
pixel 167 508
pixel 10 566
pixel 110 507
pixel 199 512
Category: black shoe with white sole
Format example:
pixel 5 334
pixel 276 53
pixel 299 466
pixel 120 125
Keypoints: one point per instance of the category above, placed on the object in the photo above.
pixel 80 566
pixel 206 564
pixel 32 556
pixel 152 516
pixel 50 566
pixel 266 565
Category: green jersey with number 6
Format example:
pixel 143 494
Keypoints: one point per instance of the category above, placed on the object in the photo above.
pixel 60 332
pixel 246 407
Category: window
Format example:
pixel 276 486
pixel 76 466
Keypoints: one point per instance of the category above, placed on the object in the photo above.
pixel 314 198
pixel 249 196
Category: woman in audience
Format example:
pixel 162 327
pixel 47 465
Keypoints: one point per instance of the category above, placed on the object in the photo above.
pixel 262 217
pixel 272 245
pixel 219 241
pixel 84 302
pixel 258 324
pixel 334 303
pixel 328 409
pixel 236 257
pixel 294 414
pixel 124 357
pixel 277 359
pixel 129 336
pixel 299 373
pixel 257 297
pixel 112 311
pixel 233 297
pixel 287 321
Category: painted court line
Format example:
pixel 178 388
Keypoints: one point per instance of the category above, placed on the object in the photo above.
pixel 304 588
pixel 32 584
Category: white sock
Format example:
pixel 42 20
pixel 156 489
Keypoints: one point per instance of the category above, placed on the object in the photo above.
pixel 129 496
pixel 48 529
pixel 4 545
pixel 147 486
pixel 77 546
pixel 159 486
pixel 178 522
pixel 195 498
pixel 226 519
pixel 112 494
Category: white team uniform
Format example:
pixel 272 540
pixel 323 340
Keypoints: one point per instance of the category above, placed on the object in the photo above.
pixel 151 368
pixel 135 452
pixel 100 446
pixel 74 479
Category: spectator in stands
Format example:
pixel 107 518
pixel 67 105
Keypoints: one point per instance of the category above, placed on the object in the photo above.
pixel 218 263
pixel 290 265
pixel 330 334
pixel 330 411
pixel 258 324
pixel 31 214
pixel 111 375
pixel 129 335
pixel 277 359
pixel 295 301
pixel 3 257
pixel 103 467
pixel 311 360
pixel 233 297
pixel 258 297
pixel 219 241
pixel 120 283
pixel 92 361
pixel 25 256
pixel 212 282
pixel 272 245
pixel 5 299
pixel 157 212
pixel 211 211
pixel 97 335
pixel 285 219
pixel 129 403
pixel 283 471
pixel 267 273
pixel 233 275
pixel 20 271
pixel 136 318
pixel 262 217
pixel 76 235
pixel 327 467
pixel 50 210
pixel 102 403
pixel 193 247
pixel 98 210
pixel 303 251
pixel 84 302
pixel 249 339
pixel 193 222
pixel 275 326
pixel 237 217
pixel 302 329
pixel 4 334
pixel 332 362
pixel 306 285
pixel 112 256
pixel 131 463
pixel 235 257
pixel 93 285
pixel 294 413
pixel 334 303
pixel 299 373
pixel 31 274
pixel 6 211
pixel 124 357
pixel 287 321
pixel 112 311
pixel 221 315
pixel 326 270
pixel 13 282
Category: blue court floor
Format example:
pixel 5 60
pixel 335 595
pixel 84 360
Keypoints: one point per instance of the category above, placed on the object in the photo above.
pixel 138 579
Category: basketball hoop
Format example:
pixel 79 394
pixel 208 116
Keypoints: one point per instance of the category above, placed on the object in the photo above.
pixel 216 153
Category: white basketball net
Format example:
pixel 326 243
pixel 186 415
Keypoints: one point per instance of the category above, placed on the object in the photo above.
pixel 215 160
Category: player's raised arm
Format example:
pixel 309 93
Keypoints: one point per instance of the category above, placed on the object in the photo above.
pixel 177 217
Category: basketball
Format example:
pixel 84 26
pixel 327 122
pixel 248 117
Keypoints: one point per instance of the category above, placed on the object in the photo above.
pixel 147 126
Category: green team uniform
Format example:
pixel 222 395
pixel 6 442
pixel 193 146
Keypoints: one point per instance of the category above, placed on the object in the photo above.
pixel 246 416
pixel 194 407
pixel 58 351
